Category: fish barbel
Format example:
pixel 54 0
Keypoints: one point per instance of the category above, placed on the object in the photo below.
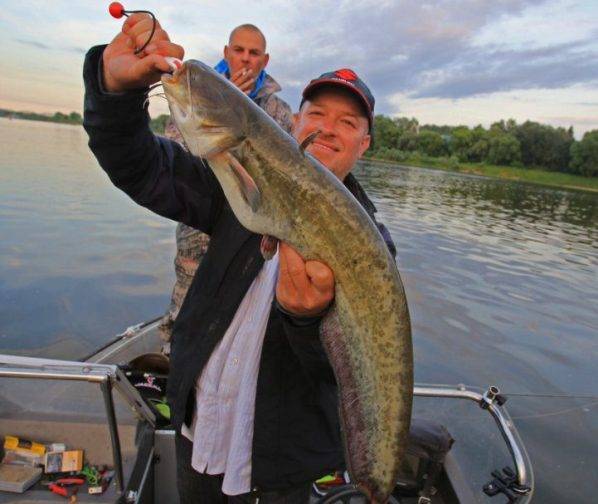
pixel 275 188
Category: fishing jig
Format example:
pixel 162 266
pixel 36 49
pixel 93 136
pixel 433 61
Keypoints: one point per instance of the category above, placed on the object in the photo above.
pixel 117 11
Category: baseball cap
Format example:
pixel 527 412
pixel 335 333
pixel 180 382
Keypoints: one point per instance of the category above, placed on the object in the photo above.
pixel 348 79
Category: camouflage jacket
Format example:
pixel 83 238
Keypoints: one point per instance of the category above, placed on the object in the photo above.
pixel 191 244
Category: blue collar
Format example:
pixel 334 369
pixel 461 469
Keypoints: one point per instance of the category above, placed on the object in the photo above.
pixel 222 68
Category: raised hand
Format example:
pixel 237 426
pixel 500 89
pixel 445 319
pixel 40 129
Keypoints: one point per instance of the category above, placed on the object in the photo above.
pixel 243 79
pixel 123 69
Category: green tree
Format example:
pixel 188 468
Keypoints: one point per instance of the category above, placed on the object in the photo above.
pixel 75 117
pixel 503 149
pixel 443 130
pixel 584 155
pixel 560 156
pixel 511 125
pixel 391 154
pixel 431 143
pixel 386 133
pixel 408 141
pixel 461 142
pixel 158 124
pixel 508 126
pixel 60 117
pixel 479 147
pixel 544 146
pixel 478 151
pixel 406 124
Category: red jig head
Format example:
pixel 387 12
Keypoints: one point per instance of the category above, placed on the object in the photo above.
pixel 116 10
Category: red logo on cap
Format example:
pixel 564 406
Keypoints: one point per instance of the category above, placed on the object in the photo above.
pixel 346 74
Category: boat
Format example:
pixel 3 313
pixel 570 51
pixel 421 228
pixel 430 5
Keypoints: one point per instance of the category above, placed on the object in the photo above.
pixel 463 447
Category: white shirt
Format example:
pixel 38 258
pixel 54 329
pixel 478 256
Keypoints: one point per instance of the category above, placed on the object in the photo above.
pixel 222 429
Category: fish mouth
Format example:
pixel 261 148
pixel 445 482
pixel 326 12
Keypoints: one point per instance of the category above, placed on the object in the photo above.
pixel 213 129
pixel 197 109
pixel 177 86
pixel 173 78
pixel 178 92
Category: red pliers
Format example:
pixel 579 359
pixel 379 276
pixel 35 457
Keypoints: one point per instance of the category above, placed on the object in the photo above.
pixel 60 485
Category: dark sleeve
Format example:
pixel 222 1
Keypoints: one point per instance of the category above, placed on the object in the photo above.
pixel 303 335
pixel 387 238
pixel 154 171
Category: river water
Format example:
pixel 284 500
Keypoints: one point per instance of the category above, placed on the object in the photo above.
pixel 501 279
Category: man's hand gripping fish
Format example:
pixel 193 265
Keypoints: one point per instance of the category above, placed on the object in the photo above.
pixel 275 188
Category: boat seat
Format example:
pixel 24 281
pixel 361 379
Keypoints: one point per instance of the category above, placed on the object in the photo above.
pixel 429 439
pixel 428 444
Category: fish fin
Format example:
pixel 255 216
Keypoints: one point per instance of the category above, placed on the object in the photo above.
pixel 248 187
pixel 268 246
pixel 308 140
pixel 225 144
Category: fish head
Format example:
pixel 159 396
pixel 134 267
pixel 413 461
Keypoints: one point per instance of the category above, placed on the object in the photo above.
pixel 201 103
pixel 221 124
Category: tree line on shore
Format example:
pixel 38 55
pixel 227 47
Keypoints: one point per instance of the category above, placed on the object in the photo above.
pixel 157 124
pixel 59 117
pixel 505 143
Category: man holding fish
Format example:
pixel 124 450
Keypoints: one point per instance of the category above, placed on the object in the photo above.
pixel 253 394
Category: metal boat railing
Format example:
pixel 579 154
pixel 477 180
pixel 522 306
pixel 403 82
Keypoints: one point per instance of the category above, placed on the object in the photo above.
pixel 110 376
pixel 492 402
pixel 106 376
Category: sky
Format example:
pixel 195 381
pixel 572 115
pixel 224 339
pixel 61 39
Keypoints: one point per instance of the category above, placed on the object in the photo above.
pixel 444 62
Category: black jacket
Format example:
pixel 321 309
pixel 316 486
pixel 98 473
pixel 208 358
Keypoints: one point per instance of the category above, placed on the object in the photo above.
pixel 296 428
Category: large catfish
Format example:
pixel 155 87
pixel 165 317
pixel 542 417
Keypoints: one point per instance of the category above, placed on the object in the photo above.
pixel 275 188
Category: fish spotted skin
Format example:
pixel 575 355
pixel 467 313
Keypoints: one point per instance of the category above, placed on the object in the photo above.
pixel 276 189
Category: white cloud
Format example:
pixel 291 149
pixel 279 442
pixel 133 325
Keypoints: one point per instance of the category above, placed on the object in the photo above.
pixel 480 51
pixel 564 107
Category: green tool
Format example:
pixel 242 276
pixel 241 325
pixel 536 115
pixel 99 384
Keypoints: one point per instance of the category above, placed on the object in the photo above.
pixel 92 475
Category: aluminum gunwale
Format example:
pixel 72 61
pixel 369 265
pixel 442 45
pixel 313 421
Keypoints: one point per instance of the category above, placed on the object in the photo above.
pixel 107 376
pixel 518 453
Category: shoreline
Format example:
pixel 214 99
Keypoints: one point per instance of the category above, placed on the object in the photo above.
pixel 528 175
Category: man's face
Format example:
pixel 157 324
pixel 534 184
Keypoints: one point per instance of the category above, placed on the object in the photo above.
pixel 344 133
pixel 246 49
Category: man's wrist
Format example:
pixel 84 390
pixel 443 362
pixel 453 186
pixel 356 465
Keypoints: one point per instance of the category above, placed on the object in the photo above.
pixel 107 86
